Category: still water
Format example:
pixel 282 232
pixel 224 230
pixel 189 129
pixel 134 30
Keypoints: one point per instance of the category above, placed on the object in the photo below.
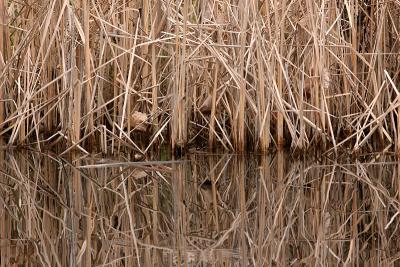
pixel 204 210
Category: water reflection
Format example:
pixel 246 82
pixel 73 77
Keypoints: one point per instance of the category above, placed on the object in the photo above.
pixel 218 210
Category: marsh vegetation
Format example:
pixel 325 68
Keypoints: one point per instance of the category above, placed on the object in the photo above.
pixel 99 75
pixel 95 89
pixel 205 210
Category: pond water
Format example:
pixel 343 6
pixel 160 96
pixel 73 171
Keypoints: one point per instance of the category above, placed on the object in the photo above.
pixel 203 210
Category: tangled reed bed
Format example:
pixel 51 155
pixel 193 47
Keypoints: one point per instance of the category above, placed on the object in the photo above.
pixel 220 210
pixel 241 75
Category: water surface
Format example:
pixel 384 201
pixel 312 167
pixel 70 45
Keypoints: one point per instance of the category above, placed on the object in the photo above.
pixel 206 210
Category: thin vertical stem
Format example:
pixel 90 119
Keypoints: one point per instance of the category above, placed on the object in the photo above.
pixel 88 88
pixel 240 131
pixel 3 25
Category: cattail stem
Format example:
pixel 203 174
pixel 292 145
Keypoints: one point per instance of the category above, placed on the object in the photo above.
pixel 3 38
pixel 88 85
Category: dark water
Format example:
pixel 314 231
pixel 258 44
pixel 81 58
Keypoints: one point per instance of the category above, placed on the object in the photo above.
pixel 220 210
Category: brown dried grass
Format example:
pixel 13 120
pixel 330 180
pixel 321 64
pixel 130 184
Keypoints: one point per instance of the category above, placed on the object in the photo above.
pixel 233 74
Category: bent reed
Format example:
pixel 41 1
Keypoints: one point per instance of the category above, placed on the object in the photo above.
pixel 241 75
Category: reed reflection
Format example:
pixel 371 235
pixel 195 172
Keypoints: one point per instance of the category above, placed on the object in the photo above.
pixel 218 209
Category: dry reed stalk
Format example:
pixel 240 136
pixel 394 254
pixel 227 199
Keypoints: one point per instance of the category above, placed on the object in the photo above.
pixel 155 220
pixel 262 204
pixel 179 213
pixel 263 123
pixel 130 222
pixel 3 41
pixel 174 126
pixel 155 33
pixel 90 225
pixel 279 219
pixel 213 103
pixel 280 31
pixel 239 132
pixel 242 209
pixel 184 90
pixel 211 135
pixel 4 225
pixel 144 15
pixel 87 59
pixel 213 163
pixel 73 83
pixel 303 134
